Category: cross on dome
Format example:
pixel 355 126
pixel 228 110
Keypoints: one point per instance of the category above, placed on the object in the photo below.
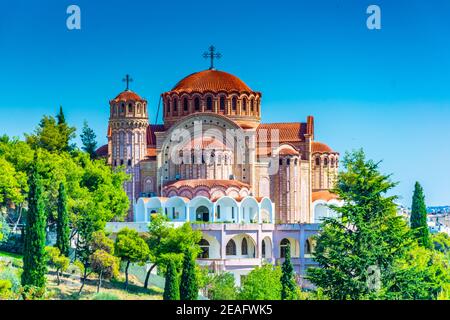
pixel 212 55
pixel 127 79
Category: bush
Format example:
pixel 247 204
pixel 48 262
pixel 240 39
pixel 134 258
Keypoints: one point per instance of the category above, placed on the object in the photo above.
pixel 14 244
pixel 104 296
pixel 12 277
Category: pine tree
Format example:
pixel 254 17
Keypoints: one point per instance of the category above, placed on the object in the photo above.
pixel 62 227
pixel 289 287
pixel 60 116
pixel 419 217
pixel 189 284
pixel 88 139
pixel 172 287
pixel 34 259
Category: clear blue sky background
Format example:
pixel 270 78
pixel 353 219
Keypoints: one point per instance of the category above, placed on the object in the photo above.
pixel 386 91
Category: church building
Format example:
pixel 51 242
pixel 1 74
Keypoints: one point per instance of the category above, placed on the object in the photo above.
pixel 252 188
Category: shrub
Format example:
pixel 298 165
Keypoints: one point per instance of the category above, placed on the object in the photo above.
pixel 104 296
pixel 12 277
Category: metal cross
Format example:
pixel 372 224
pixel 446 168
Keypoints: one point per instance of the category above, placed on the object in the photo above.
pixel 212 55
pixel 127 79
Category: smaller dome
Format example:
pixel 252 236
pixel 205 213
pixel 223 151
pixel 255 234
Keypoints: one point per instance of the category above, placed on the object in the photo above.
pixel 319 147
pixel 127 95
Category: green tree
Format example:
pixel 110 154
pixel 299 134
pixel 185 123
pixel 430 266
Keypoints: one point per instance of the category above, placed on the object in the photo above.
pixel 289 289
pixel 418 219
pixel 262 283
pixel 34 259
pixel 131 248
pixel 367 234
pixel 62 227
pixel 105 265
pixel 222 287
pixel 57 261
pixel 441 243
pixel 88 138
pixel 189 284
pixel 172 286
pixel 163 239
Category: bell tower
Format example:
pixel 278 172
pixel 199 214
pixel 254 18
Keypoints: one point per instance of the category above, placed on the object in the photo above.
pixel 127 142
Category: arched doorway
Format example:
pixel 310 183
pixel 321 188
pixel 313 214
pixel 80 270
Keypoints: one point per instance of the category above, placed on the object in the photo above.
pixel 202 214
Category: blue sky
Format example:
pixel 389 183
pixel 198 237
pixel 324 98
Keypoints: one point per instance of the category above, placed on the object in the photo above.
pixel 385 90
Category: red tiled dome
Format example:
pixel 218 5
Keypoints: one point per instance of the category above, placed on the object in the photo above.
pixel 320 147
pixel 127 95
pixel 211 80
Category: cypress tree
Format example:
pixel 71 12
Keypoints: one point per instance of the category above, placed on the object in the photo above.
pixel 288 284
pixel 418 218
pixel 189 284
pixel 34 259
pixel 172 287
pixel 62 227
pixel 88 139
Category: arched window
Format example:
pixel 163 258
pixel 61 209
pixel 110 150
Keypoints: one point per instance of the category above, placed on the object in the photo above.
pixel 185 104
pixel 122 108
pixel 230 249
pixel 244 247
pixel 244 105
pixel 317 161
pixel 197 104
pixel 284 244
pixel 263 249
pixel 209 103
pixel 175 105
pixel 332 162
pixel 234 103
pixel 204 247
pixel 325 162
pixel 252 106
pixel 168 106
pixel 130 107
pixel 222 104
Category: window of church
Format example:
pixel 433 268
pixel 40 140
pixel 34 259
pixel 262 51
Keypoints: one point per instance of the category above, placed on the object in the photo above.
pixel 185 104
pixel 325 162
pixel 204 246
pixel 284 244
pixel 122 108
pixel 317 161
pixel 230 249
pixel 244 247
pixel 244 105
pixel 168 107
pixel 263 249
pixel 175 106
pixel 129 162
pixel 222 104
pixel 130 108
pixel 209 103
pixel 234 104
pixel 197 104
pixel 252 106
pixel 218 212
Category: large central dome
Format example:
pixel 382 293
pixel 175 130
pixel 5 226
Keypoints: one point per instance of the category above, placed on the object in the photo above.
pixel 211 81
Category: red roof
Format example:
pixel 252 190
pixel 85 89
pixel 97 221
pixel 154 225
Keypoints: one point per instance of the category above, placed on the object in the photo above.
pixel 151 137
pixel 319 147
pixel 102 151
pixel 128 95
pixel 287 132
pixel 323 195
pixel 194 183
pixel 211 81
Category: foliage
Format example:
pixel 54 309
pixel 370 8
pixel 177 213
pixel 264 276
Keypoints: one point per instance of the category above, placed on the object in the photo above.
pixel 165 241
pixel 289 289
pixel 419 217
pixel 366 234
pixel 4 230
pixel 62 229
pixel 441 243
pixel 12 183
pixel 5 289
pixel 34 248
pixel 172 285
pixel 131 248
pixel 420 274
pixel 189 283
pixel 11 276
pixel 57 261
pixel 222 287
pixel 105 265
pixel 88 139
pixel 52 134
pixel 262 283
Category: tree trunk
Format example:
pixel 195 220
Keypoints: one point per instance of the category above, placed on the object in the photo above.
pixel 147 277
pixel 99 281
pixel 58 280
pixel 126 275
pixel 83 280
